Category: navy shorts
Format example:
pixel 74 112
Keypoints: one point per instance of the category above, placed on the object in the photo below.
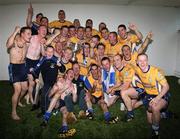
pixel 96 99
pixel 117 93
pixel 61 103
pixel 148 98
pixel 17 72
pixel 141 92
pixel 30 64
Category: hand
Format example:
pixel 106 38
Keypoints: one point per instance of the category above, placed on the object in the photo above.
pixel 30 9
pixel 31 69
pixel 150 35
pixel 132 26
pixel 110 91
pixel 17 28
pixel 37 81
pixel 154 101
pixel 58 63
pixel 43 41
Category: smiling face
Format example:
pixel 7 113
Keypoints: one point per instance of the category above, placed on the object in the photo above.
pixel 67 55
pixel 49 52
pixel 94 71
pixel 26 35
pixel 42 31
pixel 122 32
pixel 76 69
pixel 142 62
pixel 117 61
pixel 126 51
pixel 106 64
pixel 70 75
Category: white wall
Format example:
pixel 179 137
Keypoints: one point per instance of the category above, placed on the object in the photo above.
pixel 162 21
pixel 177 68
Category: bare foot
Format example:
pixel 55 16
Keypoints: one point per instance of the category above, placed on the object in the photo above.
pixel 27 102
pixel 32 101
pixel 21 105
pixel 27 99
pixel 15 117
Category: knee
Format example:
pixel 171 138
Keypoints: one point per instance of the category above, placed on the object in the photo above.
pixel 155 109
pixel 17 90
pixel 87 98
pixel 123 95
pixel 64 111
pixel 31 83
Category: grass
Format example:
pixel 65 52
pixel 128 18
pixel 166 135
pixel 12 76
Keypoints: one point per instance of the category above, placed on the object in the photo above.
pixel 28 127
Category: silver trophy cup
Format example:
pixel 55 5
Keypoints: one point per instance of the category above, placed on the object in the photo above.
pixel 75 48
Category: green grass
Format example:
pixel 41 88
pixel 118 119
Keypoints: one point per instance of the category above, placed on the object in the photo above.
pixel 28 127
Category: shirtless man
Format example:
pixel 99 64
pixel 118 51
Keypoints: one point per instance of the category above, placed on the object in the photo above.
pixel 18 45
pixel 35 50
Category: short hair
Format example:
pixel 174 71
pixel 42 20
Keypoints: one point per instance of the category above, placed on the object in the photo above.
pixel 120 55
pixel 61 11
pixel 105 58
pixel 142 54
pixel 102 44
pixel 86 43
pixel 89 20
pixel 122 25
pixel 68 70
pixel 92 65
pixel 80 27
pixel 88 27
pixel 71 26
pixel 49 46
pixel 68 48
pixel 74 63
pixel 56 28
pixel 39 14
pixel 41 26
pixel 97 37
pixel 113 32
pixel 125 46
pixel 44 18
pixel 104 28
pixel 64 27
pixel 23 29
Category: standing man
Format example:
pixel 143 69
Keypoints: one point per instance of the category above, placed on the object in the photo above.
pixel 18 45
pixel 61 22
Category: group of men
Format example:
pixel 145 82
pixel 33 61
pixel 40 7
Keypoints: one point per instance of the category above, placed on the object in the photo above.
pixel 106 66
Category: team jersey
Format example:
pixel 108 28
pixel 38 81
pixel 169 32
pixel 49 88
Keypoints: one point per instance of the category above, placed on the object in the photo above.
pixel 84 63
pixel 58 24
pixel 113 50
pixel 105 42
pixel 133 59
pixel 67 65
pixel 132 38
pixel 152 80
pixel 74 40
pixel 95 32
pixel 125 74
pixel 96 86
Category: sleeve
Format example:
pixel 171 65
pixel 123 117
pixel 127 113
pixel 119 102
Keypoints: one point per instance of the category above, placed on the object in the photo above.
pixel 160 77
pixel 62 68
pixel 128 75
